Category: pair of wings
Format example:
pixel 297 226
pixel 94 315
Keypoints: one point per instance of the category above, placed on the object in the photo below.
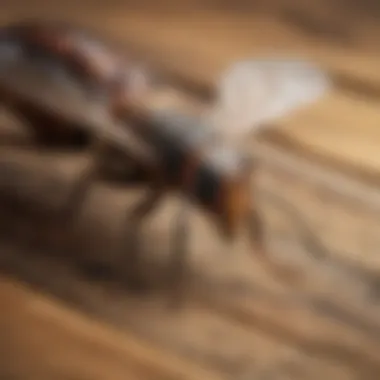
pixel 254 93
pixel 251 93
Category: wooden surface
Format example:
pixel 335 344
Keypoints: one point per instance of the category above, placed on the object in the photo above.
pixel 46 341
pixel 238 323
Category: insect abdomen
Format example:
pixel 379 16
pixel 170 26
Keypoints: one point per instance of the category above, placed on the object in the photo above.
pixel 85 58
pixel 206 187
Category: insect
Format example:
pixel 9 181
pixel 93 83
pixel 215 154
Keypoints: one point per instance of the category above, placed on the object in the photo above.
pixel 194 155
pixel 200 155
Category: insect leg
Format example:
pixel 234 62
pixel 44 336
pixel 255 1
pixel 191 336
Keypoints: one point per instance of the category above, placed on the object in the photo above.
pixel 133 242
pixel 112 135
pixel 285 273
pixel 181 236
pixel 146 163
pixel 88 176
pixel 62 222
pixel 180 253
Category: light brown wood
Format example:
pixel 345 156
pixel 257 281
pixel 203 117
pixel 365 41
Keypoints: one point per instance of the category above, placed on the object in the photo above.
pixel 341 129
pixel 235 321
pixel 259 326
pixel 42 339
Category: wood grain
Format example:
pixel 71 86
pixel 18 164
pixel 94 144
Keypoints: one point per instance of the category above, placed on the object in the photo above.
pixel 44 340
pixel 236 322
pixel 317 172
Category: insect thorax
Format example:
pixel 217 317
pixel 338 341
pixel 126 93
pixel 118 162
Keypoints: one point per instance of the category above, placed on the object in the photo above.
pixel 210 174
pixel 192 156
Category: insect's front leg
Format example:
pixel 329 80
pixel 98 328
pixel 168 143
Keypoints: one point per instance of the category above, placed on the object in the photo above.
pixel 286 274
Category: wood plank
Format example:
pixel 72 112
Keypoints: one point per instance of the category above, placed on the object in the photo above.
pixel 48 341
pixel 340 130
pixel 231 37
pixel 43 340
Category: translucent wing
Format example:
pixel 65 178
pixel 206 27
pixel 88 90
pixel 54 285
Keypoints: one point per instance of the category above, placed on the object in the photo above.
pixel 255 92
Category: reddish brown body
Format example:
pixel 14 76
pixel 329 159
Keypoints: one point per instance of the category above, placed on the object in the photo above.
pixel 103 73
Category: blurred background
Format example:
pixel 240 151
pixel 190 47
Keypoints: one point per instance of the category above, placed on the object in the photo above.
pixel 68 310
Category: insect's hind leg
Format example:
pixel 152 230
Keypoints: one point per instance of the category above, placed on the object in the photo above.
pixel 119 170
pixel 133 242
pixel 62 221
pixel 79 192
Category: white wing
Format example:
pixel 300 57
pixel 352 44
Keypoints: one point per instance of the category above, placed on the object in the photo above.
pixel 254 92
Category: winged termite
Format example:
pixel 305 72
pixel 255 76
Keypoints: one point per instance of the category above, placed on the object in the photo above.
pixel 188 153
pixel 198 156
